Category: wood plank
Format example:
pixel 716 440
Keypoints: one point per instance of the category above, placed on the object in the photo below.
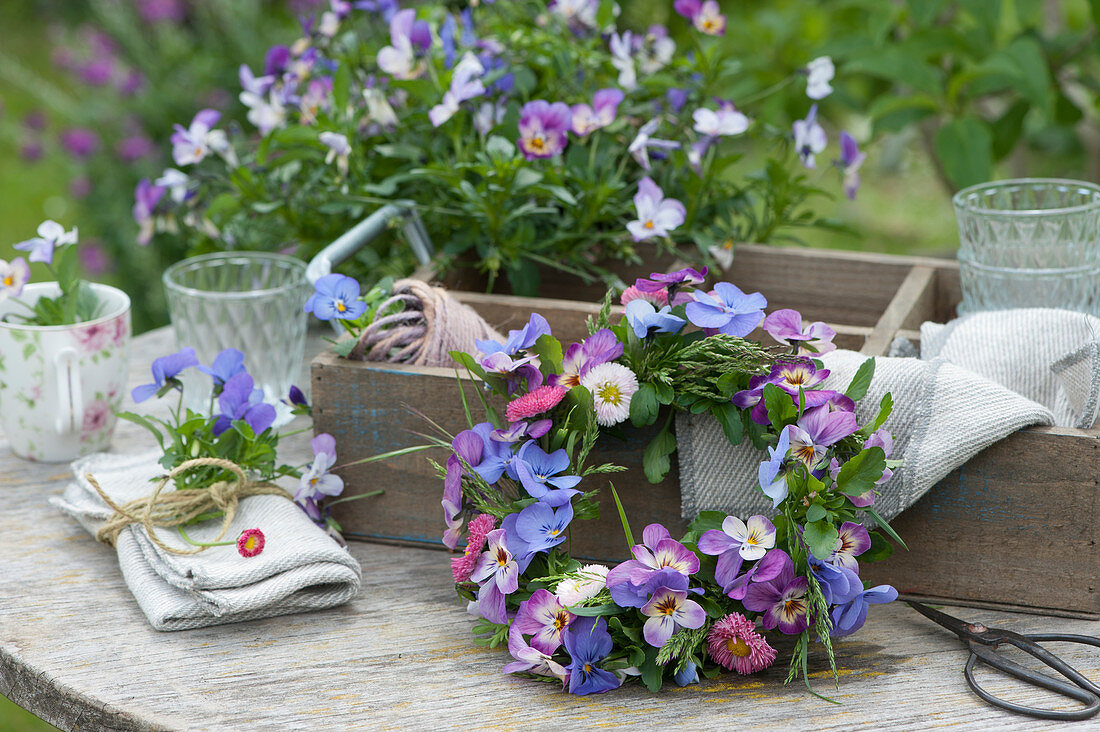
pixel 912 301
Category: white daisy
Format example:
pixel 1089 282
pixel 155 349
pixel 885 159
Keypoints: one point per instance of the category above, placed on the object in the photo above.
pixel 612 386
pixel 582 586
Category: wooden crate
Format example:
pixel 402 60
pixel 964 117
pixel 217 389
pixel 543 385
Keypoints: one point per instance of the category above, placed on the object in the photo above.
pixel 1016 526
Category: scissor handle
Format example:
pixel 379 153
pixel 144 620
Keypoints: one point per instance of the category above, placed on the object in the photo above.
pixel 1082 689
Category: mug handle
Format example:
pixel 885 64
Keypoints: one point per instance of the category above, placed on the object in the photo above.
pixel 69 391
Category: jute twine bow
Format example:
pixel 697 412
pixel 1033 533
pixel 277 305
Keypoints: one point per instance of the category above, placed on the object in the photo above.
pixel 431 325
pixel 176 508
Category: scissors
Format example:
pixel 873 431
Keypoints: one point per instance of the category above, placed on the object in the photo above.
pixel 983 644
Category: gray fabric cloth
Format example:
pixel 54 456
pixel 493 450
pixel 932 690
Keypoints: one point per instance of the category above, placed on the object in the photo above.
pixel 1049 356
pixel 943 415
pixel 301 568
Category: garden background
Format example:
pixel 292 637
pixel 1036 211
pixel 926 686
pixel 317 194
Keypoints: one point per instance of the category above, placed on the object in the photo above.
pixel 939 94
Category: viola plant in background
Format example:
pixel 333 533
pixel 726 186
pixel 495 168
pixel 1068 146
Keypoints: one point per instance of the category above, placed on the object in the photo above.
pixel 530 135
pixel 56 249
pixel 719 597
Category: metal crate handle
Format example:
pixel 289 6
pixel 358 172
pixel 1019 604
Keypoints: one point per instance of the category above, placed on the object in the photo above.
pixel 367 231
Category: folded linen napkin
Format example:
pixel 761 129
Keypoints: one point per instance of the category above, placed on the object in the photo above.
pixel 943 415
pixel 301 567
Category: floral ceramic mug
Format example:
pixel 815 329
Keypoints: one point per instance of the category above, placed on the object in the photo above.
pixel 60 384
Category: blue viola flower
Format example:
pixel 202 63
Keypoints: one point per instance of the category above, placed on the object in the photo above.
pixel 850 617
pixel 727 310
pixel 588 643
pixel 644 319
pixel 542 527
pixel 336 297
pixel 165 370
pixel 225 366
pixel 241 400
pixel 538 472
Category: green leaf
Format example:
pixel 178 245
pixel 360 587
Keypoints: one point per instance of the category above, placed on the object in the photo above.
pixel 1022 62
pixel 244 429
pixel 622 516
pixel 525 177
pixel 341 85
pixel 1094 7
pixel 884 408
pixel 729 418
pixel 665 394
pixel 548 349
pixel 879 550
pixel 895 65
pixel 815 512
pixel 858 475
pixel 593 611
pixel 705 521
pixel 820 537
pixel 469 362
pixel 655 460
pixel 964 147
pixel 344 347
pixel 143 422
pixel 924 12
pixel 781 410
pixel 652 672
pixel 1007 129
pixel 861 381
pixel 643 406
pixel 893 114
pixel 401 150
pixel 885 527
pixel 710 606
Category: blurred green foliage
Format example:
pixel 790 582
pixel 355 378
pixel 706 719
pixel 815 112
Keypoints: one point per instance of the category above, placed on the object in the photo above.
pixel 14 718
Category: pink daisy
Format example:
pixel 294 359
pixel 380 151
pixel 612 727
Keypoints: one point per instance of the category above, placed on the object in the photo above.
pixel 250 542
pixel 659 298
pixel 480 526
pixel 734 643
pixel 535 402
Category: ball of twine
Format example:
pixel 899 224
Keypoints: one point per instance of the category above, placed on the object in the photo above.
pixel 180 507
pixel 431 324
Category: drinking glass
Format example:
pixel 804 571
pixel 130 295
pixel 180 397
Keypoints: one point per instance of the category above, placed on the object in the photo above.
pixel 251 301
pixel 1030 242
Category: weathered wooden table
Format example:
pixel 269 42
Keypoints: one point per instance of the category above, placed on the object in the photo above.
pixel 76 650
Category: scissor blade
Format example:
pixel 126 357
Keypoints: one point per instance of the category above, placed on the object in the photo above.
pixel 956 626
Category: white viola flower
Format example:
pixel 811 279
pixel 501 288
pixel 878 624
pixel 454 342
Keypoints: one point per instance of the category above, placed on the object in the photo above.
pixel 612 386
pixel 809 138
pixel 338 149
pixel 657 215
pixel 656 51
pixel 266 114
pixel 819 73
pixel 622 58
pixel 329 25
pixel 577 13
pixel 193 144
pixel 582 585
pixel 725 121
pixel 176 182
pixel 488 116
pixel 379 109
pixel 399 59
pixel 13 277
pixel 465 84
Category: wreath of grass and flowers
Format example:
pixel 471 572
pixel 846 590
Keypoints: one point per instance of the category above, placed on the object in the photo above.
pixel 718 597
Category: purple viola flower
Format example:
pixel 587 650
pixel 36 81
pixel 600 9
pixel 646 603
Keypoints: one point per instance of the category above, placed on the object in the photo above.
pixel 770 476
pixel 512 370
pixel 853 541
pixel 134 148
pixel 542 527
pixel 657 215
pixel 165 371
pixel 468 446
pixel 580 358
pixel 849 618
pixel 639 148
pixel 80 142
pixel 530 660
pixel 809 138
pixel 258 85
pixel 296 398
pixel 318 481
pixel 838 584
pixel 644 319
pixel 786 326
pixel 544 618
pixel 518 340
pixel 494 457
pixel 542 128
pixel 765 569
pixel 849 163
pixel 817 430
pixel 517 431
pixel 726 309
pixel 399 58
pixel 605 105
pixel 498 574
pixel 158 11
pixel 146 198
pixel 705 16
pixel 240 399
pixel 276 60
pixel 789 375
pixel 225 366
pixel 465 85
pixel 671 283
pixel 737 542
pixel 447 31
pixel 97 72
pixel 659 552
pixel 51 236
pixel 588 642
pixel 31 151
pixel 782 600
pixel 336 296
pixel 421 35
pixel 668 611
pixel 538 473
pixel 677 99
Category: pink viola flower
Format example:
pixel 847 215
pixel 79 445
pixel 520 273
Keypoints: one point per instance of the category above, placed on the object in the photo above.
pixel 853 541
pixel 668 611
pixel 782 600
pixel 787 326
pixel 737 542
pixel 734 643
pixel 543 127
pixel 605 105
pixel 13 277
pixel 531 660
pixel 657 215
pixel 478 528
pixel 544 618
pixel 498 574
pixel 816 431
pixel 535 402
pixel 146 197
pixel 789 376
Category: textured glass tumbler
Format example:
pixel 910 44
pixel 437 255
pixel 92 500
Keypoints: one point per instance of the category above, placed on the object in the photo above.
pixel 1031 242
pixel 251 301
